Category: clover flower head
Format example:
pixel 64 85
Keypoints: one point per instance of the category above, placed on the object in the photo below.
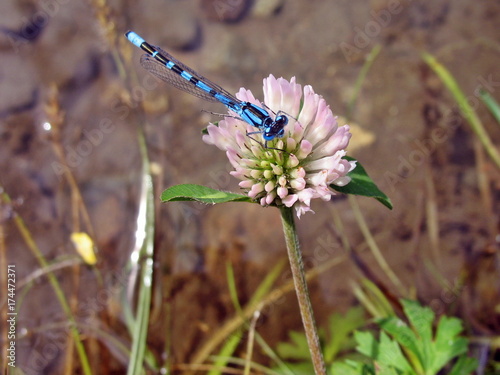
pixel 296 168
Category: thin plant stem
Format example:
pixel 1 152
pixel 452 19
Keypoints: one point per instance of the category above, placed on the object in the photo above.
pixel 251 339
pixel 374 247
pixel 145 245
pixel 361 78
pixel 299 279
pixel 465 108
pixel 231 326
pixel 432 214
pixel 35 250
pixel 232 343
pixel 484 184
pixel 142 256
pixel 491 103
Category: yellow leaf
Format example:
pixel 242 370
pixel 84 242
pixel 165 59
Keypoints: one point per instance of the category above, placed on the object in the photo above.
pixel 84 246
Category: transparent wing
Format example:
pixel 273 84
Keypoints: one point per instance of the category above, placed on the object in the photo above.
pixel 165 74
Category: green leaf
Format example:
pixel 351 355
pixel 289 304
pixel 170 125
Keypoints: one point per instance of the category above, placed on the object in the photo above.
pixel 345 369
pixel 362 184
pixel 447 345
pixel 340 329
pixel 203 194
pixel 387 352
pixel 297 349
pixel 491 103
pixel 296 352
pixel 405 336
pixel 402 334
pixel 448 327
pixel 367 344
pixel 300 368
pixel 349 367
pixel 388 370
pixel 421 319
pixel 464 366
pixel 390 354
pixel 340 338
pixel 423 353
pixel 225 353
pixel 432 354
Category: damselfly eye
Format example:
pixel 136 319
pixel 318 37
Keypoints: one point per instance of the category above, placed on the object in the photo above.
pixel 281 119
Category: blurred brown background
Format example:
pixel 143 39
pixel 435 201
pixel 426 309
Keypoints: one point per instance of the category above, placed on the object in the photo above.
pixel 61 60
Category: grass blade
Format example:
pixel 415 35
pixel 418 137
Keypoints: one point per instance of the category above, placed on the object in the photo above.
pixel 465 108
pixel 491 103
pixel 144 240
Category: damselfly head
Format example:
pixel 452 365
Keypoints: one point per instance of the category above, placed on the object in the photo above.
pixel 276 129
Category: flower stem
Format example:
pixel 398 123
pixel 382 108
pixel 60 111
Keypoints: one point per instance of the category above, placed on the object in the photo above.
pixel 299 279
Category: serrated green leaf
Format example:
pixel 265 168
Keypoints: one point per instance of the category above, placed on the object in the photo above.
pixel 402 334
pixel 349 367
pixel 443 355
pixel 301 368
pixel 362 184
pixel 447 328
pixel 367 344
pixel 345 369
pixel 447 345
pixel 390 354
pixel 296 349
pixel 388 370
pixel 386 352
pixel 423 354
pixel 203 194
pixel 421 319
pixel 340 328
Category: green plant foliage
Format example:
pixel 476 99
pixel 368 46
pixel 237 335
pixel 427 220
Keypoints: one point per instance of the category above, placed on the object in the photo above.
pixel 203 194
pixel 491 103
pixel 465 107
pixel 338 338
pixel 350 367
pixel 412 349
pixel 387 352
pixel 296 349
pixel 362 184
pixel 340 332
